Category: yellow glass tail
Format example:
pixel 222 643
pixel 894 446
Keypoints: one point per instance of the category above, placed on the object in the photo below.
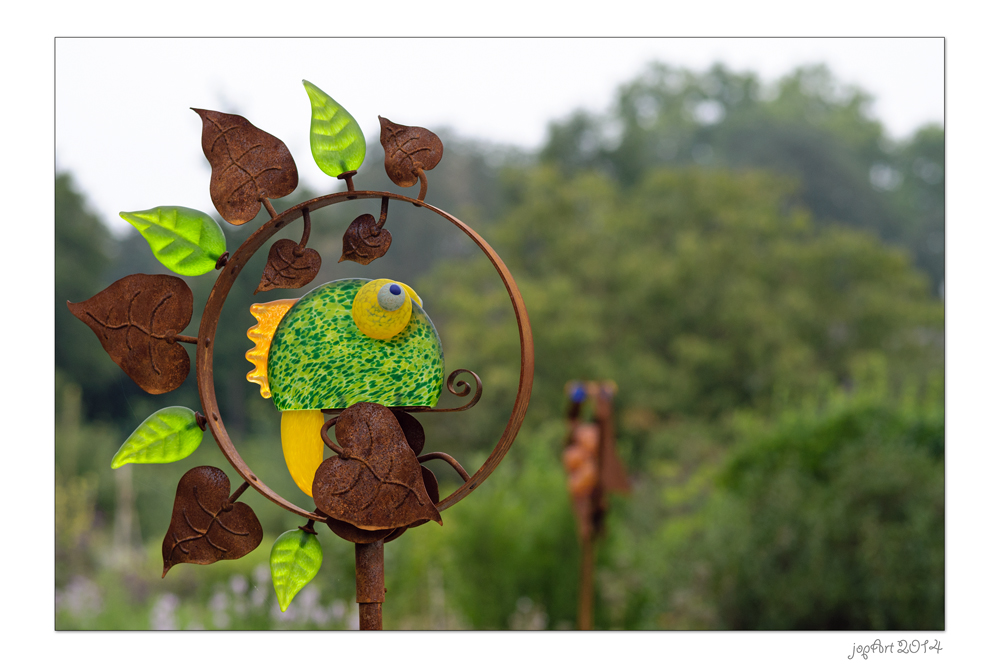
pixel 302 445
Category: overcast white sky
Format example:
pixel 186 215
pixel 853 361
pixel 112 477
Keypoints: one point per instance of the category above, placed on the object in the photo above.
pixel 125 130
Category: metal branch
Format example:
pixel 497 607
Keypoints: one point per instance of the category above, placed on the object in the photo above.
pixel 306 227
pixel 326 436
pixel 239 492
pixel 385 212
pixel 423 184
pixel 447 458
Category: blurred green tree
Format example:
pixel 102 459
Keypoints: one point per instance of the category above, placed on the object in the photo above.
pixel 810 127
pixel 831 521
pixel 84 252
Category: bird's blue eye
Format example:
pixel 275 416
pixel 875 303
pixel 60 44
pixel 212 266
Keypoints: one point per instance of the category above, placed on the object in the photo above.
pixel 391 297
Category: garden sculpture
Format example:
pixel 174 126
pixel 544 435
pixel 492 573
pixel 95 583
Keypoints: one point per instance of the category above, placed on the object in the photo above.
pixel 593 470
pixel 357 356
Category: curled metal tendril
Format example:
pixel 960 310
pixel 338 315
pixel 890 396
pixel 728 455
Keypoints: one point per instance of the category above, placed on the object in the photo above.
pixel 327 425
pixel 460 388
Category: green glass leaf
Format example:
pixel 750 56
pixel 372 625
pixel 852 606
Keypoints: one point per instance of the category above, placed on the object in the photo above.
pixel 165 436
pixel 185 240
pixel 295 560
pixel 334 136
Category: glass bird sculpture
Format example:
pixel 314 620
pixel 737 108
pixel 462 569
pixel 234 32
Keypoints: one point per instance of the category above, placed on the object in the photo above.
pixel 345 342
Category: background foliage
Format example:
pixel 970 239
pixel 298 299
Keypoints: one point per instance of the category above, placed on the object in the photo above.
pixel 760 270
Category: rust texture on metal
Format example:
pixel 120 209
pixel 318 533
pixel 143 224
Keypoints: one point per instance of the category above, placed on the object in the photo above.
pixel 431 484
pixel 137 320
pixel 207 525
pixel 409 151
pixel 370 616
pixel 180 338
pixel 289 266
pixel 414 434
pixel 227 278
pixel 369 568
pixel 365 240
pixel 247 164
pixel 423 184
pixel 376 482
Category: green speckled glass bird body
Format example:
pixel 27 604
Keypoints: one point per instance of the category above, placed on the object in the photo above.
pixel 320 359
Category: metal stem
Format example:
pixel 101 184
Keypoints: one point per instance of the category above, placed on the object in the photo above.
pixel 348 177
pixel 447 458
pixel 239 492
pixel 585 612
pixel 270 208
pixel 423 184
pixel 384 214
pixel 306 227
pixel 369 572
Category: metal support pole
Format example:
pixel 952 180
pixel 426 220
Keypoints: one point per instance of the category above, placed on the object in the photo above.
pixel 585 612
pixel 369 572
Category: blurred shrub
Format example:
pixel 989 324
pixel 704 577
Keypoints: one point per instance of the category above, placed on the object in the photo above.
pixel 826 521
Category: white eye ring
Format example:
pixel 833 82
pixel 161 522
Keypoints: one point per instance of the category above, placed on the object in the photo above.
pixel 391 296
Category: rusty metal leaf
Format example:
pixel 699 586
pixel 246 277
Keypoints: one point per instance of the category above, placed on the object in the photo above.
pixel 431 484
pixel 408 150
pixel 136 319
pixel 247 163
pixel 205 526
pixel 412 430
pixel 376 483
pixel 289 266
pixel 365 241
pixel 346 531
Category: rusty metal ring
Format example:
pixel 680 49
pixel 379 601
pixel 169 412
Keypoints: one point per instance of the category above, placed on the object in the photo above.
pixel 239 259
